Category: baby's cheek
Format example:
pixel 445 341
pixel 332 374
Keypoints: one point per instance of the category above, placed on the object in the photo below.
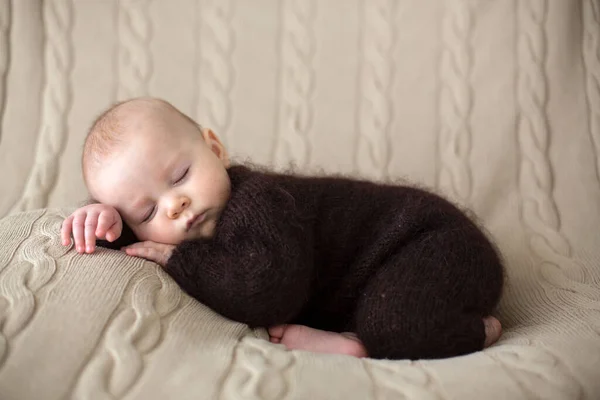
pixel 166 236
pixel 141 234
pixel 149 232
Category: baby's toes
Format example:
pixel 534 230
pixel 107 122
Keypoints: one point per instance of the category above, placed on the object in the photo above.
pixel 276 333
pixel 493 330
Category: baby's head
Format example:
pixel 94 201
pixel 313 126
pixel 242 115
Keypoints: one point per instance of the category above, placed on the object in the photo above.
pixel 165 174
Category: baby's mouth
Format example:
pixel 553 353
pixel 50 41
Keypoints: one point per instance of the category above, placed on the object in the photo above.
pixel 195 220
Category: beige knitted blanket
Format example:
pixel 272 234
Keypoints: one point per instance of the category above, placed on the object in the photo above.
pixel 111 326
pixel 494 103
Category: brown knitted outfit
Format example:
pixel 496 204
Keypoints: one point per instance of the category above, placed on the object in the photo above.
pixel 406 270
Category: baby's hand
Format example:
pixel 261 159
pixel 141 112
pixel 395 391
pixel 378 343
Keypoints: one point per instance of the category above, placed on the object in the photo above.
pixel 157 252
pixel 90 222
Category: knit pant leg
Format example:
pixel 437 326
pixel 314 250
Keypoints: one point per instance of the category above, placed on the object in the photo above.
pixel 424 309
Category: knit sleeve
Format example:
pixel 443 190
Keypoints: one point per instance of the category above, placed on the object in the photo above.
pixel 258 267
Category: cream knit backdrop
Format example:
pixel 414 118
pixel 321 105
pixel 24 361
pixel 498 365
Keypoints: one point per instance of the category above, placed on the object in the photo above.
pixel 495 103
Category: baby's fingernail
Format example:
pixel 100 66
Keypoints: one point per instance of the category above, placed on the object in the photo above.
pixel 89 249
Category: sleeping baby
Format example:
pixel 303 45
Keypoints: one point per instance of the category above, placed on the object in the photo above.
pixel 327 264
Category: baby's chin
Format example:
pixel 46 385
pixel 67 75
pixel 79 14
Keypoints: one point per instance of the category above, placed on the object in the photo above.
pixel 206 231
pixel 197 235
pixel 172 242
pixel 162 239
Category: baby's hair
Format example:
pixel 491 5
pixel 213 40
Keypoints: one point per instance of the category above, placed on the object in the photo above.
pixel 106 132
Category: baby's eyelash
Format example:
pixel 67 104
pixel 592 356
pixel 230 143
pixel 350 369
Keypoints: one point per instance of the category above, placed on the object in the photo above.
pixel 182 176
pixel 149 215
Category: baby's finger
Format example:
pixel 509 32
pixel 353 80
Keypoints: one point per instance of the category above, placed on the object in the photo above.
pixel 147 244
pixel 143 252
pixel 133 249
pixel 65 232
pixel 91 222
pixel 147 250
pixel 105 221
pixel 114 231
pixel 136 245
pixel 78 232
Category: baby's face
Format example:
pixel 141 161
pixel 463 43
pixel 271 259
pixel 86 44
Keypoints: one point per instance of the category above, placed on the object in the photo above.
pixel 169 183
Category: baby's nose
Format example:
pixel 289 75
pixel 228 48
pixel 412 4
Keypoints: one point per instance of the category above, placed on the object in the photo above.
pixel 179 205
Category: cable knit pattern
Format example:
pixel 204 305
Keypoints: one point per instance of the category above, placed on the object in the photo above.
pixel 7 298
pixel 31 270
pixel 4 52
pixel 296 50
pixel 216 73
pixel 454 176
pixel 56 103
pixel 523 365
pixel 536 178
pixel 495 103
pixel 258 373
pixel 135 332
pixel 416 381
pixel 590 14
pixel 539 210
pixel 374 115
pixel 538 207
pixel 134 59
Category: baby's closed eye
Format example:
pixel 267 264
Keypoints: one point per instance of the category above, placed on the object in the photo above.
pixel 149 215
pixel 182 176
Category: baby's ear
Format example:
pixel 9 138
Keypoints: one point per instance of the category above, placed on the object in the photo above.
pixel 213 143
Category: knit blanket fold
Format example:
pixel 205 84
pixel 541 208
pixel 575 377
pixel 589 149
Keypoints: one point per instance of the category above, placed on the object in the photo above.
pixel 109 324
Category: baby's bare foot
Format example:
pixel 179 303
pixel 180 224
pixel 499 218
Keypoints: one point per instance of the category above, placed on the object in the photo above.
pixel 493 330
pixel 299 337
